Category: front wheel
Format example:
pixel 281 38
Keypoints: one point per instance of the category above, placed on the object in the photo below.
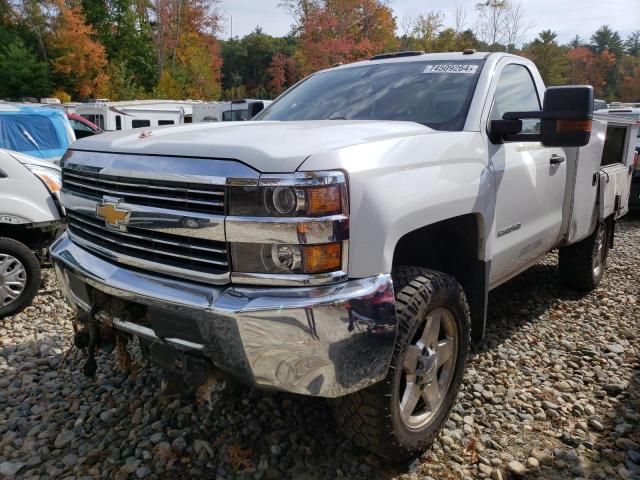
pixel 401 415
pixel 19 276
pixel 581 265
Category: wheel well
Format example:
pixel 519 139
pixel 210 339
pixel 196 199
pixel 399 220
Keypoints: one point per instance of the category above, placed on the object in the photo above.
pixel 33 238
pixel 454 246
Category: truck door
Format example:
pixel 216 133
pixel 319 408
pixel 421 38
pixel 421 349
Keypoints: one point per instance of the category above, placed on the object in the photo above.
pixel 529 178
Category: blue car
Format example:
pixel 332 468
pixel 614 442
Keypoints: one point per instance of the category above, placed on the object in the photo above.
pixel 43 133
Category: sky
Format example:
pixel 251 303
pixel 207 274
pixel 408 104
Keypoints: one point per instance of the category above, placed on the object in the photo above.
pixel 566 17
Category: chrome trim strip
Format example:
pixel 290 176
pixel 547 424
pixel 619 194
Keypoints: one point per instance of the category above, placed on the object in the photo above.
pixel 293 280
pixel 77 218
pixel 218 279
pixel 144 249
pixel 300 179
pixel 286 229
pixel 210 227
pixel 149 334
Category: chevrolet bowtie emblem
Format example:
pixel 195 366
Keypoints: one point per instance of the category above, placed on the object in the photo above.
pixel 113 216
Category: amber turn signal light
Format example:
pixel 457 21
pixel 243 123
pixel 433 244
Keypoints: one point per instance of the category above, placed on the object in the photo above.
pixel 322 258
pixel 325 200
pixel 567 126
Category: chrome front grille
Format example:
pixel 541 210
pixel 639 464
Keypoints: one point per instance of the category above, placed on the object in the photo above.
pixel 187 257
pixel 189 197
pixel 154 213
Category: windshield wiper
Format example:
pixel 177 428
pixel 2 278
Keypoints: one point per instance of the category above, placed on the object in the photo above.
pixel 28 136
pixel 338 117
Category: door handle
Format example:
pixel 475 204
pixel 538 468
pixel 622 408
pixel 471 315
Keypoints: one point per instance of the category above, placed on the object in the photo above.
pixel 556 159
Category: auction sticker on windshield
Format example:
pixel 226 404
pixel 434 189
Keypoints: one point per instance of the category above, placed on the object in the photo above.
pixel 451 68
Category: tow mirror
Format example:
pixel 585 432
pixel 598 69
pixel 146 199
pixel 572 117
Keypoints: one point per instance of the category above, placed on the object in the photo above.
pixel 566 118
pixel 255 108
pixel 570 111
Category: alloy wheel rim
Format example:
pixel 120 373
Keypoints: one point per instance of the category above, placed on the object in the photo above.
pixel 599 249
pixel 13 279
pixel 427 368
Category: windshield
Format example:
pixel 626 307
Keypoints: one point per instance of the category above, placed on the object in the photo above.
pixel 24 133
pixel 235 115
pixel 434 93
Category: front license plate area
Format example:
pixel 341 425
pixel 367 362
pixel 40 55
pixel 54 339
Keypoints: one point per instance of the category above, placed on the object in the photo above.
pixel 169 325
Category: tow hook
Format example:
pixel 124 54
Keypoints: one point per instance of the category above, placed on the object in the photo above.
pixel 86 339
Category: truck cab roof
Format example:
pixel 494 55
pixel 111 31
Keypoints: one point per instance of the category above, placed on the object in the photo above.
pixel 401 57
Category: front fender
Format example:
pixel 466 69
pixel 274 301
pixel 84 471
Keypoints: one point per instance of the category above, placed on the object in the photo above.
pixel 399 185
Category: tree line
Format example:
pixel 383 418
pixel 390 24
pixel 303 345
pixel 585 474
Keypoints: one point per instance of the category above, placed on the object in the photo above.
pixel 126 49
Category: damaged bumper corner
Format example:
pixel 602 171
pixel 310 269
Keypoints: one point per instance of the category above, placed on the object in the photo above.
pixel 323 341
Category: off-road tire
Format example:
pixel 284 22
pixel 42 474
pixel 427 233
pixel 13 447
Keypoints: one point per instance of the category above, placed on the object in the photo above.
pixel 32 267
pixel 371 417
pixel 576 261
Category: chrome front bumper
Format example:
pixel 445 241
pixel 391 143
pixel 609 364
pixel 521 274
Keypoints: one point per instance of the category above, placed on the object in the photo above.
pixel 324 341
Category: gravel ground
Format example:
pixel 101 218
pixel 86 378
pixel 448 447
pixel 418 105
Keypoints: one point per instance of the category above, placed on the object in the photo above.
pixel 553 392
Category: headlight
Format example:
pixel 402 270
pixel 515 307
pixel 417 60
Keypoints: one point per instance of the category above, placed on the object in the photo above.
pixel 279 258
pixel 49 176
pixel 289 228
pixel 286 201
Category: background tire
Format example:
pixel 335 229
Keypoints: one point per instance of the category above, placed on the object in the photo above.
pixel 373 417
pixel 15 256
pixel 581 265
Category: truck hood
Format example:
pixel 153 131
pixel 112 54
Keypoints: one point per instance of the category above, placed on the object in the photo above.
pixel 266 146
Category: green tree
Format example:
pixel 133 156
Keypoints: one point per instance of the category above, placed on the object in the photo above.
pixel 576 42
pixel 632 44
pixel 124 29
pixel 33 20
pixel 246 62
pixel 468 39
pixel 22 74
pixel 606 39
pixel 550 57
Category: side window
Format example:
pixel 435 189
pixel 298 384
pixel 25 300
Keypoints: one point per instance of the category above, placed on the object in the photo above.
pixel 76 125
pixel 166 122
pixel 516 92
pixel 140 123
pixel 94 118
pixel 118 122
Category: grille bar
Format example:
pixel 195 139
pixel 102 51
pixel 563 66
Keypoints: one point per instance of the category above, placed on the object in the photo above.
pixel 69 173
pixel 140 195
pixel 156 250
pixel 187 197
pixel 175 243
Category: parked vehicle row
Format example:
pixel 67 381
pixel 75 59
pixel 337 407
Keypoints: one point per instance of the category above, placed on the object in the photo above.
pixel 154 113
pixel 343 244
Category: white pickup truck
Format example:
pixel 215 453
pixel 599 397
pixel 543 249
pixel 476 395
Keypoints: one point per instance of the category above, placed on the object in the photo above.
pixel 343 245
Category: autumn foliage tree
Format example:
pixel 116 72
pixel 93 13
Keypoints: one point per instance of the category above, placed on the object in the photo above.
pixel 283 72
pixel 340 31
pixel 629 83
pixel 126 49
pixel 590 68
pixel 77 59
pixel 187 49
